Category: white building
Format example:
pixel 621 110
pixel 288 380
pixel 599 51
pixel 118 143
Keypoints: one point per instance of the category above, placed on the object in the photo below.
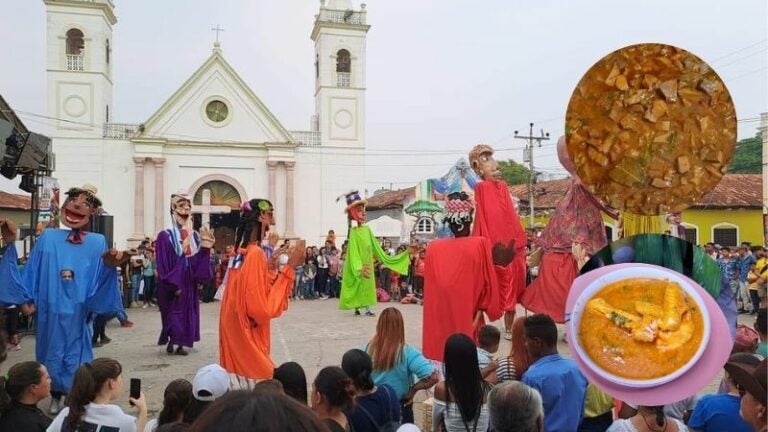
pixel 213 138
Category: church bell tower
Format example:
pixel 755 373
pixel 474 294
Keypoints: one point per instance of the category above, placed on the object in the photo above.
pixel 79 66
pixel 339 34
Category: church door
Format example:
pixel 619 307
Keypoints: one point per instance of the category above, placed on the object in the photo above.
pixel 216 204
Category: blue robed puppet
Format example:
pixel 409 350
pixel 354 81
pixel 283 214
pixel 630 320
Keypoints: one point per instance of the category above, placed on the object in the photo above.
pixel 70 277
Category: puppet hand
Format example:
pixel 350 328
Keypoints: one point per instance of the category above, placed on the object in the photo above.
pixel 365 272
pixel 8 230
pixel 206 238
pixel 503 255
pixel 28 309
pixel 116 258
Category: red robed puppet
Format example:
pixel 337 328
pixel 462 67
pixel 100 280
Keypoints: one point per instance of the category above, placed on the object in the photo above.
pixel 497 221
pixel 459 281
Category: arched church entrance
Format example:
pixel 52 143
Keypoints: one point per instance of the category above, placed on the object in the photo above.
pixel 216 204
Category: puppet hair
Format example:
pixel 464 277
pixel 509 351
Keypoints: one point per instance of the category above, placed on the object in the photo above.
pixel 249 220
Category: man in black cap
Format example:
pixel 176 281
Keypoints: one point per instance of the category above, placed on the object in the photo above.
pixel 751 383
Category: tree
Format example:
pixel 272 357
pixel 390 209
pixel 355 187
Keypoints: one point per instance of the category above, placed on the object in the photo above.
pixel 747 158
pixel 514 172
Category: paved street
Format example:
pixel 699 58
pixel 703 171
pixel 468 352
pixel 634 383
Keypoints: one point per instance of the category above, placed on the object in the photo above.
pixel 312 333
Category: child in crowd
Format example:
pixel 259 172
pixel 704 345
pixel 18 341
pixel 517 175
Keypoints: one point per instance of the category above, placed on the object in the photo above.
pixel 488 344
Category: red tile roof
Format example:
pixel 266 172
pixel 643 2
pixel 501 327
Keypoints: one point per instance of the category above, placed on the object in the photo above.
pixel 733 191
pixel 389 199
pixel 9 201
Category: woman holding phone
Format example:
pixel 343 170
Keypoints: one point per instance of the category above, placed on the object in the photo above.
pixel 88 406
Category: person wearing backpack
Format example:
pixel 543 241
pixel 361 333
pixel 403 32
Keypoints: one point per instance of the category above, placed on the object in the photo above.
pixel 377 408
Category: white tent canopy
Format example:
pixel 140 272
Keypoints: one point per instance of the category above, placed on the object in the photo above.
pixel 385 226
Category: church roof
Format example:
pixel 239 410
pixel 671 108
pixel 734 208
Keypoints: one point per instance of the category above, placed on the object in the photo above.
pixel 261 124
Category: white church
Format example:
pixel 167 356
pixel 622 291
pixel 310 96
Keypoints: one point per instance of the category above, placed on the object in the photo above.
pixel 213 139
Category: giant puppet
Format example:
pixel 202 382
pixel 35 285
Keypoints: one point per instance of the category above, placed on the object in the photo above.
pixel 70 277
pixel 497 220
pixel 574 233
pixel 183 261
pixel 358 287
pixel 254 295
pixel 459 280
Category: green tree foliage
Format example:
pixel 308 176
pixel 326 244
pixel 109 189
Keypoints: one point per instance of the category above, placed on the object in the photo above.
pixel 747 159
pixel 513 172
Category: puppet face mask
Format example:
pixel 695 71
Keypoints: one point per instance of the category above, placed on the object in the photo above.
pixel 357 214
pixel 487 167
pixel 181 209
pixel 77 211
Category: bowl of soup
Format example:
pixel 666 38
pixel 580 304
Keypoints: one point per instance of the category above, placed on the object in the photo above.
pixel 640 326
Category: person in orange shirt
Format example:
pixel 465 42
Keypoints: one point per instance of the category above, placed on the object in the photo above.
pixel 254 296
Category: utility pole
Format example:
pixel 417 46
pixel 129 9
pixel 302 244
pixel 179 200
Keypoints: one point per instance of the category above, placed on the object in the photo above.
pixel 528 157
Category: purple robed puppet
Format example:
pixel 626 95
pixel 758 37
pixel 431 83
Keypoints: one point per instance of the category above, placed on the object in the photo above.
pixel 183 261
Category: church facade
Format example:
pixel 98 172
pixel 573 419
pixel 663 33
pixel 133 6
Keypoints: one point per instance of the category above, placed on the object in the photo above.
pixel 213 139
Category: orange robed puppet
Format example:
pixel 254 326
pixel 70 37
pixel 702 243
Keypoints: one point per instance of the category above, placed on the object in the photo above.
pixel 459 281
pixel 497 221
pixel 254 295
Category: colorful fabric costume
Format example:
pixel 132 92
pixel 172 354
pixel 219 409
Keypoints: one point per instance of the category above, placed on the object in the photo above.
pixel 12 291
pixel 497 220
pixel 459 280
pixel 65 307
pixel 176 270
pixel 357 291
pixel 576 219
pixel 253 297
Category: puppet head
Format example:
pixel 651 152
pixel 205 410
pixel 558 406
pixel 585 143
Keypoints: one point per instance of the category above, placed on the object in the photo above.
pixel 256 216
pixel 674 218
pixel 355 207
pixel 482 162
pixel 565 159
pixel 181 209
pixel 458 211
pixel 81 204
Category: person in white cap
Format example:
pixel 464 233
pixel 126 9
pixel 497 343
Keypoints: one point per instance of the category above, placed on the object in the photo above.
pixel 211 382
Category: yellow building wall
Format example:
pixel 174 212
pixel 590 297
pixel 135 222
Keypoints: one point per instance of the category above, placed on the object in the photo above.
pixel 748 221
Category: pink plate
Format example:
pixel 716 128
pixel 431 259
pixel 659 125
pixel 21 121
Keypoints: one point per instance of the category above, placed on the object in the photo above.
pixel 701 374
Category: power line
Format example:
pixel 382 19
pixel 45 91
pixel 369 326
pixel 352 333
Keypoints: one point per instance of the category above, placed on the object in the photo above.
pixel 738 51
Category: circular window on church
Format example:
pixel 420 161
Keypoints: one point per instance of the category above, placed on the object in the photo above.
pixel 217 111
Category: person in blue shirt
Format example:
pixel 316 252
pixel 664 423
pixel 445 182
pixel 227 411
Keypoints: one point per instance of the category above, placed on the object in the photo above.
pixel 561 385
pixel 720 412
pixel 745 259
pixel 396 363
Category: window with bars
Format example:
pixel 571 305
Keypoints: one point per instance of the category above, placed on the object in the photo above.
pixel 726 236
pixel 691 234
pixel 425 226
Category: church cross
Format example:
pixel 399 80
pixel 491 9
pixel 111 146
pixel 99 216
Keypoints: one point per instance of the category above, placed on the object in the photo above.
pixel 206 209
pixel 217 29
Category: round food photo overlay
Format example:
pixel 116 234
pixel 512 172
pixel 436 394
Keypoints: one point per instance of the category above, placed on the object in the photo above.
pixel 650 128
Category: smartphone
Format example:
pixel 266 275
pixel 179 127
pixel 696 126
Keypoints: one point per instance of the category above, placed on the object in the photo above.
pixel 135 388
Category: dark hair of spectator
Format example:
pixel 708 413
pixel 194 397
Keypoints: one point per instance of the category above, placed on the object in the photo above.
pixel 462 375
pixel 261 411
pixel 541 326
pixel 20 376
pixel 488 336
pixel 294 380
pixel 358 366
pixel 761 324
pixel 336 388
pixel 173 427
pixel 176 399
pixel 88 382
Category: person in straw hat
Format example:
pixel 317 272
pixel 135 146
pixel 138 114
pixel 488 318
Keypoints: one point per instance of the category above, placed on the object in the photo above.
pixel 70 277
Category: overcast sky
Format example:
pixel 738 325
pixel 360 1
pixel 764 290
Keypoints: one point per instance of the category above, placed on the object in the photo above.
pixel 442 76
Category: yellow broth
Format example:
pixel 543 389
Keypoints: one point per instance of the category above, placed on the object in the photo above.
pixel 615 350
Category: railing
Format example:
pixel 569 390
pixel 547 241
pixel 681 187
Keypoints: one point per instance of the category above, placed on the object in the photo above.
pixel 75 62
pixel 344 17
pixel 119 131
pixel 343 79
pixel 307 138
